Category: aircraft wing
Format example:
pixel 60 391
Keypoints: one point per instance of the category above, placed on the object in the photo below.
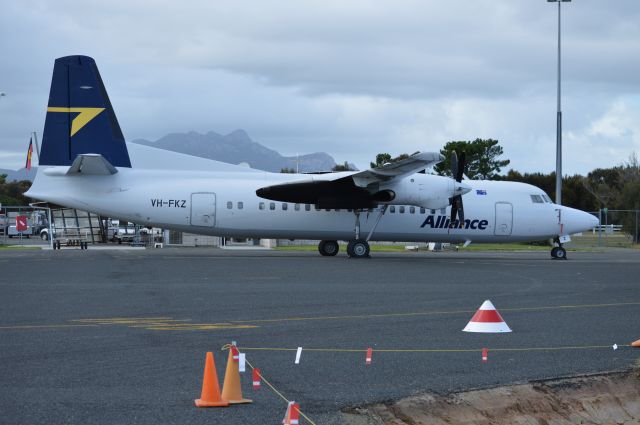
pixel 356 189
pixel 416 162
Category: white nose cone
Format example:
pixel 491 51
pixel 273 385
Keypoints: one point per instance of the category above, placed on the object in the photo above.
pixel 487 320
pixel 461 188
pixel 576 221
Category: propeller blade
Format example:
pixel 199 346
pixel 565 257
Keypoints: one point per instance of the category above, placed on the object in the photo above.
pixel 457 171
pixel 454 164
pixel 460 169
pixel 457 210
pixel 460 211
pixel 454 212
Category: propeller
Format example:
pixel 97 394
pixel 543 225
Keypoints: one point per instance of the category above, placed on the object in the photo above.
pixel 457 170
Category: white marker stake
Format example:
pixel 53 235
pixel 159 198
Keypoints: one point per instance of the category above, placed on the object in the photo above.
pixel 242 359
pixel 298 354
pixel 615 346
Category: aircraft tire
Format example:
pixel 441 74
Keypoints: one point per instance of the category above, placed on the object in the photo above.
pixel 554 252
pixel 328 248
pixel 358 249
pixel 561 253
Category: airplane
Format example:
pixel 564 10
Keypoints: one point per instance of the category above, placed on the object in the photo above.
pixel 85 164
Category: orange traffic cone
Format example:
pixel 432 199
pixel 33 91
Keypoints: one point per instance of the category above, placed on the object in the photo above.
pixel 210 396
pixel 231 389
pixel 636 343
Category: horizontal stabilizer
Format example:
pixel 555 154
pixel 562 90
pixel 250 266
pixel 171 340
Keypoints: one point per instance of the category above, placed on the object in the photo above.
pixel 91 164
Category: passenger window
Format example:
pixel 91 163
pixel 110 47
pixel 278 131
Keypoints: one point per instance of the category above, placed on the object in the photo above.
pixel 316 207
pixel 433 211
pixel 272 206
pixel 240 205
pixel 412 210
pixel 392 209
pixel 537 199
pixel 296 207
pixel 422 210
pixel 261 205
pixel 229 205
pixel 402 209
pixel 307 207
pixel 285 206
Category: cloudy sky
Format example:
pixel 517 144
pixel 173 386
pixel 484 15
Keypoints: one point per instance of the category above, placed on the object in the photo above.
pixel 351 78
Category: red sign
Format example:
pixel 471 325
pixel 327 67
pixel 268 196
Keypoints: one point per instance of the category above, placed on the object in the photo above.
pixel 21 223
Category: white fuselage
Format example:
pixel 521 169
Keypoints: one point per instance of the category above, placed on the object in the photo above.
pixel 225 204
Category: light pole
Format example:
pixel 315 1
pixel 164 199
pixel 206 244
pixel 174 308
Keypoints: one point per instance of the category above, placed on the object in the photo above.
pixel 558 119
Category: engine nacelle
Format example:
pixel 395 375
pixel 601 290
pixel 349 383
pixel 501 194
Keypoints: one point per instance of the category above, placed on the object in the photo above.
pixel 422 190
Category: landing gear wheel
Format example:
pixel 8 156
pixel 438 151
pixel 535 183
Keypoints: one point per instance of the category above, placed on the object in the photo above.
pixel 358 249
pixel 558 253
pixel 328 248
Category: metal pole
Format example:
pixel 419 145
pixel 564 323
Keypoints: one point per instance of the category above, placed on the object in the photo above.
pixel 635 235
pixel 50 227
pixel 35 138
pixel 559 127
pixel 600 227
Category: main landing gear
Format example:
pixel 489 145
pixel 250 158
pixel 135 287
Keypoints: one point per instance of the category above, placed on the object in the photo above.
pixel 356 248
pixel 558 252
pixel 328 248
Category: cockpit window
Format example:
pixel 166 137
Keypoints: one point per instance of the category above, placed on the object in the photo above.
pixel 537 199
pixel 546 198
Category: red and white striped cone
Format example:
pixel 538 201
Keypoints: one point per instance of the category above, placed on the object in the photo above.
pixel 485 355
pixel 367 359
pixel 487 320
pixel 235 353
pixel 287 414
pixel 256 379
pixel 295 414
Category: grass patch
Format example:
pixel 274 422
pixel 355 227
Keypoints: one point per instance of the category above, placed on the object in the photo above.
pixel 401 248
pixel 18 247
pixel 504 247
pixel 343 247
pixel 471 248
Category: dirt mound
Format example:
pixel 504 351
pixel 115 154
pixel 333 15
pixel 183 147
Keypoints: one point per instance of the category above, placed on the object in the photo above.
pixel 608 399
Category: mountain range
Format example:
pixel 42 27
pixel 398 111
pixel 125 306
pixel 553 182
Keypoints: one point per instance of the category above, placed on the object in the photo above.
pixel 237 147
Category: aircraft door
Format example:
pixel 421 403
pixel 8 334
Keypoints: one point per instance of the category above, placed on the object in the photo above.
pixel 203 209
pixel 504 219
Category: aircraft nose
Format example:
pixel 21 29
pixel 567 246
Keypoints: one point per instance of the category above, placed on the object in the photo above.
pixel 579 221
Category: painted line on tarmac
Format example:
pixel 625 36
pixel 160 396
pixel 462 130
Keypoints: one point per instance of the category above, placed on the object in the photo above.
pixel 430 313
pixel 17 327
pixel 148 323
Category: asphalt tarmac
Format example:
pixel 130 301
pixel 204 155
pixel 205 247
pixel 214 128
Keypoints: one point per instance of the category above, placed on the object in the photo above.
pixel 119 337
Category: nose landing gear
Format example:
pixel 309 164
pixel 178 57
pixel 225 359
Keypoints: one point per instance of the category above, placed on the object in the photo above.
pixel 558 252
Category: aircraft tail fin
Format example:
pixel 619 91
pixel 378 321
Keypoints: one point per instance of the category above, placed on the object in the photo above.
pixel 80 119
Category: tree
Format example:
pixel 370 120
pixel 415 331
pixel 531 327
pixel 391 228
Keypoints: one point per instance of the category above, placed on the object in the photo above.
pixel 12 193
pixel 343 167
pixel 383 158
pixel 287 170
pixel 481 158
